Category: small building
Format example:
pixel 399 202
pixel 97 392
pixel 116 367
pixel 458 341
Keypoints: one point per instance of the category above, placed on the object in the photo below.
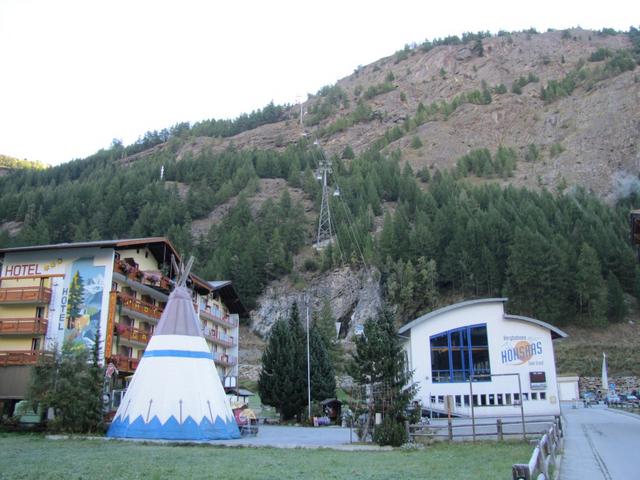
pixel 568 390
pixel 53 293
pixel 509 358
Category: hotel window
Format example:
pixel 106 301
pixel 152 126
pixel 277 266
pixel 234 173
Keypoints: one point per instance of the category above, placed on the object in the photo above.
pixel 460 353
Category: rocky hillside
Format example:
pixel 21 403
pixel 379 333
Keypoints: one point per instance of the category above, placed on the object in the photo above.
pixel 587 138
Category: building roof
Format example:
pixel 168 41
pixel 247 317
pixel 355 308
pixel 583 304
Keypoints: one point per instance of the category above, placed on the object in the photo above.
pixel 555 332
pixel 229 296
pixel 127 242
pixel 448 308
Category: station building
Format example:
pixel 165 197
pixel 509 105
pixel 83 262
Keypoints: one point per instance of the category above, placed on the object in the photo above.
pixel 473 355
pixel 55 293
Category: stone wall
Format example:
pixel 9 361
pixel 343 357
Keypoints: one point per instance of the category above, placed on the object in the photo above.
pixel 623 384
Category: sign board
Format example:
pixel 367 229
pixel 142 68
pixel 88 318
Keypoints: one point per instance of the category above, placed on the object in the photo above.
pixel 538 380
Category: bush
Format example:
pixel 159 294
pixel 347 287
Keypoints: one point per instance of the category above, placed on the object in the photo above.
pixel 310 265
pixel 416 143
pixel 500 88
pixel 532 154
pixel 600 55
pixel 424 175
pixel 390 432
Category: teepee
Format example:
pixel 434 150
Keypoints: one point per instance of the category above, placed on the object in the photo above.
pixel 175 393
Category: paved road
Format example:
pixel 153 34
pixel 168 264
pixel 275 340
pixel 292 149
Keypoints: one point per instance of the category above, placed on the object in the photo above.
pixel 600 444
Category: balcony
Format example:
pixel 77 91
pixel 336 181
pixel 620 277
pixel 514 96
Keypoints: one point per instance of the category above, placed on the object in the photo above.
pixel 225 320
pixel 35 295
pixel 124 364
pixel 21 357
pixel 224 359
pixel 138 306
pixel 125 332
pixel 131 270
pixel 23 326
pixel 218 337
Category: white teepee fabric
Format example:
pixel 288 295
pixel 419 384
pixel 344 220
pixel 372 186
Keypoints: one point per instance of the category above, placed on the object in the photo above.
pixel 175 393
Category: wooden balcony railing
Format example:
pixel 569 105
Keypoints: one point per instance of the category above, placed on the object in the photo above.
pixel 132 334
pixel 124 364
pixel 139 306
pixel 28 326
pixel 226 320
pixel 150 278
pixel 224 359
pixel 21 357
pixel 25 295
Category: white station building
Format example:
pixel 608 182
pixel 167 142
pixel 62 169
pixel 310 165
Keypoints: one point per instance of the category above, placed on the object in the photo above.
pixel 509 358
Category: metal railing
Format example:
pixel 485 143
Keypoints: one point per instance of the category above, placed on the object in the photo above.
pixel 225 320
pixel 543 457
pixel 224 359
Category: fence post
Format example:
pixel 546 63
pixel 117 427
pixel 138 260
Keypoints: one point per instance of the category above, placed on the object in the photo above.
pixel 520 472
pixel 450 429
pixel 499 429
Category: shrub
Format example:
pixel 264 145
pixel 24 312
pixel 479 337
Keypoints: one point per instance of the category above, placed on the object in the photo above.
pixel 416 143
pixel 556 149
pixel 600 55
pixel 348 153
pixel 500 88
pixel 390 432
pixel 310 265
pixel 532 154
pixel 424 175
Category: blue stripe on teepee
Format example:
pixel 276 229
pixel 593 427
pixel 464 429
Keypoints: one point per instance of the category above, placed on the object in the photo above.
pixel 178 353
pixel 172 430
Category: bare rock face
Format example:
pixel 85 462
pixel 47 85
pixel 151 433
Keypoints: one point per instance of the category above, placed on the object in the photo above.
pixel 354 297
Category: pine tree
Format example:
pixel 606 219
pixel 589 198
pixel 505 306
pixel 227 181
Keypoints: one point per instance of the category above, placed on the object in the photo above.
pixel 378 367
pixel 326 326
pixel 94 387
pixel 616 307
pixel 282 381
pixel 591 288
pixel 323 380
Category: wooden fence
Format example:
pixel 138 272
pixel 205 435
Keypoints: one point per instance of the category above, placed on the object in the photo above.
pixel 543 457
pixel 499 428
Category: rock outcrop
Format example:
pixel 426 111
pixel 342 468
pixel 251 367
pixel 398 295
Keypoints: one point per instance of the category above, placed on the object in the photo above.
pixel 354 296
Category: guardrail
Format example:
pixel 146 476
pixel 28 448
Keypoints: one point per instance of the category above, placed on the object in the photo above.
pixel 543 457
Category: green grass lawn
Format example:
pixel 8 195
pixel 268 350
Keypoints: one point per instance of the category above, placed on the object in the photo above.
pixel 34 457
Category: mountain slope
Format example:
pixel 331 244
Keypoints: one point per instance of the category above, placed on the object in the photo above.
pixel 595 128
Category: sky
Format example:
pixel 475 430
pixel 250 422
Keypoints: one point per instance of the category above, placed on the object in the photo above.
pixel 74 75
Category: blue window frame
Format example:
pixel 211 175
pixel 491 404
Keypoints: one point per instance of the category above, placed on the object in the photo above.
pixel 458 354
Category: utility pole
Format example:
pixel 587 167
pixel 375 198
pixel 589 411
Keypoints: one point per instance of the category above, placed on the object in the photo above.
pixel 308 363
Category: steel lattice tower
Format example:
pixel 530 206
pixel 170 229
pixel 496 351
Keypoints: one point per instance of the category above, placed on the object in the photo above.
pixel 324 222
